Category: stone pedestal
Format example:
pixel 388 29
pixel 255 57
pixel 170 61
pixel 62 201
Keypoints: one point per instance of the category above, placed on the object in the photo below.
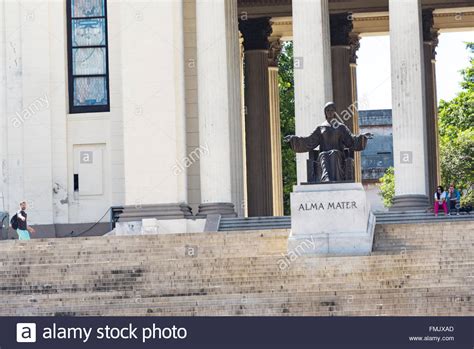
pixel 153 226
pixel 331 219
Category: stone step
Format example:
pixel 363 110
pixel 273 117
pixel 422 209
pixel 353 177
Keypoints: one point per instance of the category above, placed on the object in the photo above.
pixel 251 301
pixel 299 303
pixel 210 252
pixel 255 223
pixel 242 277
pixel 456 293
pixel 161 241
pixel 400 252
pixel 376 260
pixel 411 256
pixel 221 275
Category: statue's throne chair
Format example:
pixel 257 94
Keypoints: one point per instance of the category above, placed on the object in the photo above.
pixel 313 166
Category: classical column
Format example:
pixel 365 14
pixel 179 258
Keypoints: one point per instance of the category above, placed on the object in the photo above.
pixel 257 119
pixel 3 116
pixel 160 187
pixel 313 77
pixel 344 45
pixel 430 42
pixel 355 44
pixel 275 131
pixel 27 172
pixel 220 124
pixel 408 105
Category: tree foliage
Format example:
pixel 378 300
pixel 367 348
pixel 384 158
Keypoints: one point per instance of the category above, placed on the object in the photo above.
pixel 456 129
pixel 287 119
pixel 387 187
pixel 468 73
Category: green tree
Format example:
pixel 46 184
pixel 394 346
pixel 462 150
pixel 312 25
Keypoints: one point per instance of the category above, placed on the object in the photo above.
pixel 468 73
pixel 287 117
pixel 456 130
pixel 457 159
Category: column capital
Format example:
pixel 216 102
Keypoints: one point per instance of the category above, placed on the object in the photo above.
pixel 340 25
pixel 256 32
pixel 274 52
pixel 354 42
pixel 430 34
pixel 342 35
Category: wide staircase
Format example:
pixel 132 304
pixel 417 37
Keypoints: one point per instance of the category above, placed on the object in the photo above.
pixel 415 269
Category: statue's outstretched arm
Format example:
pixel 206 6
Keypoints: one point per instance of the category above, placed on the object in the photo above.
pixel 356 142
pixel 304 144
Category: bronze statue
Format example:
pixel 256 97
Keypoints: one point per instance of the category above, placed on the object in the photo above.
pixel 334 140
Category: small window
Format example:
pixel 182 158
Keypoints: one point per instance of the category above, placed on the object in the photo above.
pixel 88 68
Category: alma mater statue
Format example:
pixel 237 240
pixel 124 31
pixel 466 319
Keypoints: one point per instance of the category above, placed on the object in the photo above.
pixel 333 138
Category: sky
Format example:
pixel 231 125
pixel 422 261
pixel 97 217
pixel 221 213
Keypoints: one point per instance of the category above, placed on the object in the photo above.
pixel 373 68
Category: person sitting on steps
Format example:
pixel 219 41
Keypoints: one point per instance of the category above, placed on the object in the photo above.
pixel 454 199
pixel 440 200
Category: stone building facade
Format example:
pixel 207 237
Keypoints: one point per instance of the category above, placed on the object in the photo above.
pixel 170 108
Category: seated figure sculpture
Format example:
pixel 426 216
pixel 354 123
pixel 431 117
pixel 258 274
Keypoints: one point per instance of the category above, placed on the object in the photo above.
pixel 333 138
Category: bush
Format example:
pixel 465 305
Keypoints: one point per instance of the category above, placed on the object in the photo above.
pixel 468 199
pixel 387 187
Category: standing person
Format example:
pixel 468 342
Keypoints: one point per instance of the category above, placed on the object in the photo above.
pixel 23 229
pixel 454 198
pixel 440 200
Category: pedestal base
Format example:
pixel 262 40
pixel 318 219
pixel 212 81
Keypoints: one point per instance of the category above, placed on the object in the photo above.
pixel 225 209
pixel 410 203
pixel 152 226
pixel 157 211
pixel 331 219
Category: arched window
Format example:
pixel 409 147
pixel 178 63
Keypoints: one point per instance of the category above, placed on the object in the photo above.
pixel 88 56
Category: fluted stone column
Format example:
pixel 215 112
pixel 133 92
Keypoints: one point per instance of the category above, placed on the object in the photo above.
pixel 220 125
pixel 244 206
pixel 3 116
pixel 409 106
pixel 430 42
pixel 344 45
pixel 257 119
pixel 275 129
pixel 355 44
pixel 313 76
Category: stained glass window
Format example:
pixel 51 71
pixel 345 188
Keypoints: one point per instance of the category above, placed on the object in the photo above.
pixel 88 56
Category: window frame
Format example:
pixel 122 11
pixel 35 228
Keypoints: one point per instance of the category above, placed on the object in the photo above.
pixel 86 108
